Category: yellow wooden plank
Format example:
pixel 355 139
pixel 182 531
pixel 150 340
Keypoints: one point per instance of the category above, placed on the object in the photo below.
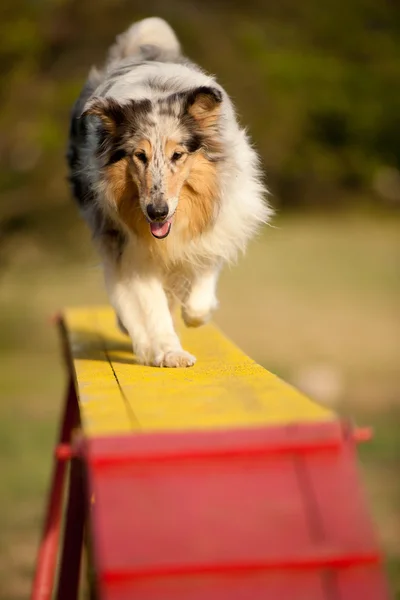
pixel 225 388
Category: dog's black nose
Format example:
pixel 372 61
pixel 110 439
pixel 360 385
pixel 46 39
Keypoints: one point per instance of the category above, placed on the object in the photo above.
pixel 157 212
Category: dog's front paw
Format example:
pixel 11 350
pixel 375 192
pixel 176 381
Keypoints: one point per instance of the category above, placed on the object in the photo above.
pixel 196 318
pixel 174 359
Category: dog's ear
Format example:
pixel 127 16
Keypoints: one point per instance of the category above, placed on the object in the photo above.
pixel 111 113
pixel 204 104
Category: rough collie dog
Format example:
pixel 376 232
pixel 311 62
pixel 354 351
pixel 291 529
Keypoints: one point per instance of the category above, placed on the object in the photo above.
pixel 168 183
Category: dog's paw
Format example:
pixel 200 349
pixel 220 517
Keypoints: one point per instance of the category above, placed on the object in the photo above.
pixel 195 318
pixel 174 359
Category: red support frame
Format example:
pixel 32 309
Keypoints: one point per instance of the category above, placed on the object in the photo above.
pixel 46 565
pixel 69 574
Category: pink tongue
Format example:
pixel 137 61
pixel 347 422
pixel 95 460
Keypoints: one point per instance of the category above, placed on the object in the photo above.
pixel 160 229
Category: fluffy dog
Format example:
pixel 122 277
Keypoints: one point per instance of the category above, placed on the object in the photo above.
pixel 168 183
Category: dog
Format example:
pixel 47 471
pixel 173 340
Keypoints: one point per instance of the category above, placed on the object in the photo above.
pixel 168 183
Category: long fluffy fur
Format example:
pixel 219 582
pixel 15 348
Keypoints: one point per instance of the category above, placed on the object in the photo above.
pixel 149 97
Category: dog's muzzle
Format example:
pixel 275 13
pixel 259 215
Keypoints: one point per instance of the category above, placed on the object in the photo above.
pixel 159 225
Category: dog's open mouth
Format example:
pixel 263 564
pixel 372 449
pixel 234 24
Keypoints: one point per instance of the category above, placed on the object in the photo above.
pixel 160 230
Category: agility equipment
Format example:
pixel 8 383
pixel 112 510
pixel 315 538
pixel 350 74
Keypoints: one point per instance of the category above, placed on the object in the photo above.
pixel 217 482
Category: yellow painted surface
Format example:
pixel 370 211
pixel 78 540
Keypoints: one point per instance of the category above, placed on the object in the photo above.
pixel 225 388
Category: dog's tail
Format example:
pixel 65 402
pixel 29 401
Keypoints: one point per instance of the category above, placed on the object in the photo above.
pixel 150 39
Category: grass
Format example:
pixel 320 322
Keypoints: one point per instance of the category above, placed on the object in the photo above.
pixel 315 301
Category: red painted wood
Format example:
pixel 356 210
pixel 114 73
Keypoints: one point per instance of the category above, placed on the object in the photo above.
pixel 110 451
pixel 70 560
pixel 358 584
pixel 262 586
pixel 361 582
pixel 274 512
pixel 42 588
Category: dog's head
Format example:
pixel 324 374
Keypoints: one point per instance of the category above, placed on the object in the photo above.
pixel 160 156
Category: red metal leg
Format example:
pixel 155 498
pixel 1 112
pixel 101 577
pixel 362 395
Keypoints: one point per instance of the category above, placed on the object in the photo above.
pixel 69 576
pixel 47 557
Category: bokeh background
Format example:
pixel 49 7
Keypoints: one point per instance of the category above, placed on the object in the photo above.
pixel 315 300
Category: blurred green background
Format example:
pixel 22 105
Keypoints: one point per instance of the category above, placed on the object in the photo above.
pixel 315 300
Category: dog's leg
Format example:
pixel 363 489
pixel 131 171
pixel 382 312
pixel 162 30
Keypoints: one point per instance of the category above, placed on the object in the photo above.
pixel 201 301
pixel 121 326
pixel 142 306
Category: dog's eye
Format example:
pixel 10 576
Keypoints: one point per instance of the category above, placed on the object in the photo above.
pixel 142 157
pixel 176 156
